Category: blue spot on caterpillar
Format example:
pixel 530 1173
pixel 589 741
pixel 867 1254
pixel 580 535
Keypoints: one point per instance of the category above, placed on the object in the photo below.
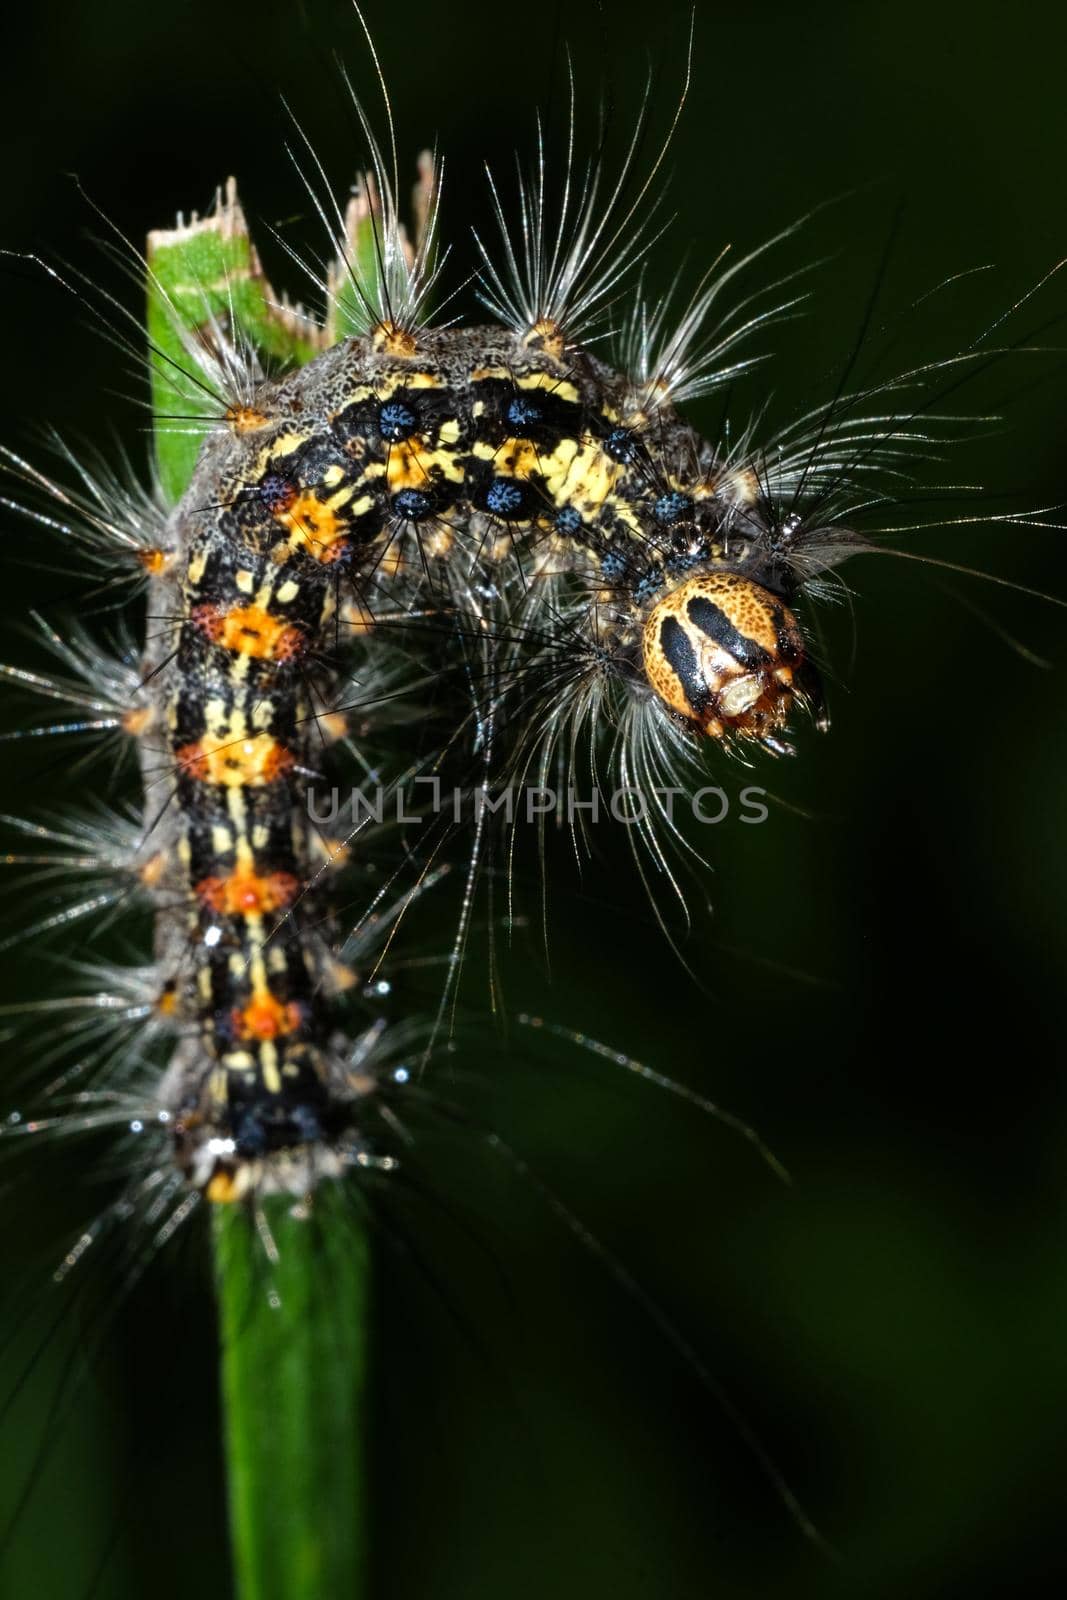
pixel 397 420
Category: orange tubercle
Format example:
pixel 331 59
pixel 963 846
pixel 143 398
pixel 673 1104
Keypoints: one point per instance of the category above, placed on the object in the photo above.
pixel 245 419
pixel 155 561
pixel 151 871
pixel 167 1000
pixel 265 1017
pixel 253 631
pixel 235 763
pixel 246 894
pixel 137 720
pixel 395 341
pixel 548 336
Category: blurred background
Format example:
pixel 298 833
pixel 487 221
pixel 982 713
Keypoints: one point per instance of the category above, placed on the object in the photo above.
pixel 878 967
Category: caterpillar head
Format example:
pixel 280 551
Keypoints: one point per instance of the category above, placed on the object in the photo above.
pixel 726 656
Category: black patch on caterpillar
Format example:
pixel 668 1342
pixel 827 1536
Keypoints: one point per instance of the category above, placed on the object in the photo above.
pixel 623 445
pixel 310 465
pixel 303 1113
pixel 504 498
pixel 422 505
pixel 405 413
pixel 538 415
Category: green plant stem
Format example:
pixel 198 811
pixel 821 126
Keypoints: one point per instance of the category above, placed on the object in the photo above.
pixel 294 1366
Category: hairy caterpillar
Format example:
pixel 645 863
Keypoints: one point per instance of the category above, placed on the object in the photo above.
pixel 506 629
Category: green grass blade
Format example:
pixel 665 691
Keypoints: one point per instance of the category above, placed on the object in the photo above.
pixel 294 1365
pixel 205 277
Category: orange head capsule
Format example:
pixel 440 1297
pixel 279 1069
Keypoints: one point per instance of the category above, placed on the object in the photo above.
pixel 725 655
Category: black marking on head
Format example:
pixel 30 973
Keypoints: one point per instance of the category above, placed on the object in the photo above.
pixel 682 660
pixel 706 616
pixel 787 647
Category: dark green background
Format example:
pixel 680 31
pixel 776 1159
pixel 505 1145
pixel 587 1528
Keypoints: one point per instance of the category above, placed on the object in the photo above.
pixel 881 974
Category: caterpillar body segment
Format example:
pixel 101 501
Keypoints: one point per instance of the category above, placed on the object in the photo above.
pixel 258 1086
pixel 494 441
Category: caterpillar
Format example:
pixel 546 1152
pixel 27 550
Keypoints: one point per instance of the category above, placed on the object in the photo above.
pixel 398 437
pixel 542 509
